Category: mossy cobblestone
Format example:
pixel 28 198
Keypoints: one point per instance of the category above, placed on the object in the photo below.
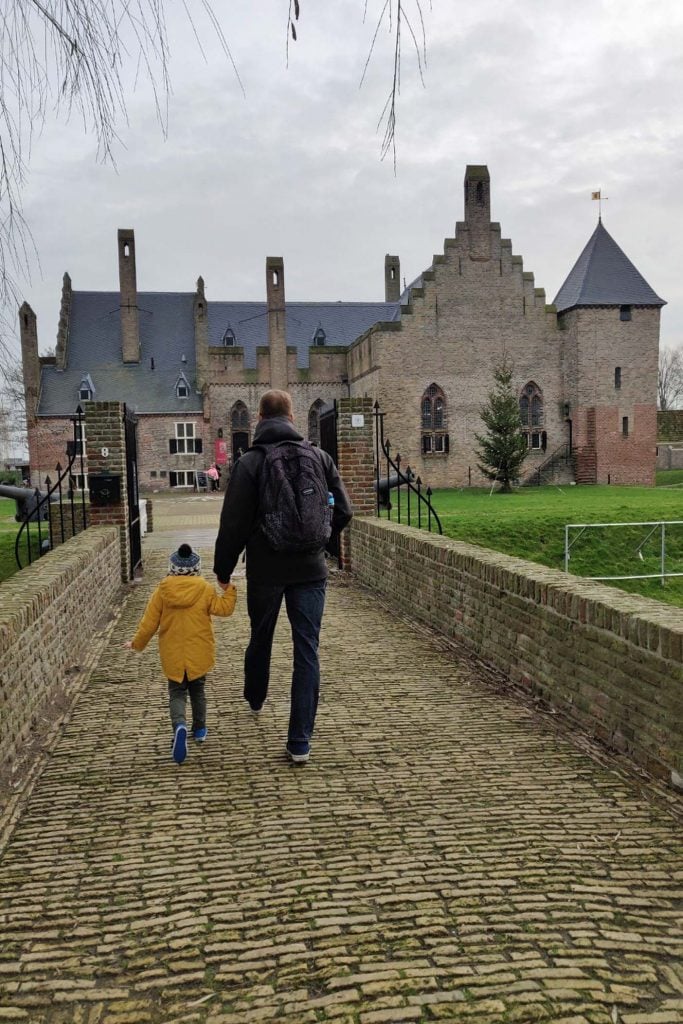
pixel 448 854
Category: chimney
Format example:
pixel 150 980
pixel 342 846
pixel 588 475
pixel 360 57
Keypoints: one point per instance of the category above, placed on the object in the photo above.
pixel 28 332
pixel 478 211
pixel 392 278
pixel 201 336
pixel 130 330
pixel 63 328
pixel 277 335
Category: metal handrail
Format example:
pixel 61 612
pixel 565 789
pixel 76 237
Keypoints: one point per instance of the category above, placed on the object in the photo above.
pixel 559 454
pixel 403 479
pixel 74 449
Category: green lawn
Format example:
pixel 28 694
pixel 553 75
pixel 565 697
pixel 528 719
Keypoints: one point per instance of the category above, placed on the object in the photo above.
pixel 669 477
pixel 530 523
pixel 8 535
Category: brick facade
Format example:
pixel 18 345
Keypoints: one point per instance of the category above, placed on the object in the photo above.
pixel 611 661
pixel 355 460
pixel 473 307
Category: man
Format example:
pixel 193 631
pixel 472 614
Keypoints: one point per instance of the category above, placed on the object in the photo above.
pixel 299 577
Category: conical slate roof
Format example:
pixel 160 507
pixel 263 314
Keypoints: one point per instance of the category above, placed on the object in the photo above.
pixel 604 276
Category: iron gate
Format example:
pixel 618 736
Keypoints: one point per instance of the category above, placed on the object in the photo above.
pixel 134 530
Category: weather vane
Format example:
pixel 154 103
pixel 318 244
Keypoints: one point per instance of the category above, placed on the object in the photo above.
pixel 601 199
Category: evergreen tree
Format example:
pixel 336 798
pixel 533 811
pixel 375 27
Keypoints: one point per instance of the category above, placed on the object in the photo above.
pixel 503 448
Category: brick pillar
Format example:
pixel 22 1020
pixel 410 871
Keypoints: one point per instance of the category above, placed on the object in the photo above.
pixel 106 452
pixel 355 461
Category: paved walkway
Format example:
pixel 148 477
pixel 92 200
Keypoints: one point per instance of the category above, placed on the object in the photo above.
pixel 447 853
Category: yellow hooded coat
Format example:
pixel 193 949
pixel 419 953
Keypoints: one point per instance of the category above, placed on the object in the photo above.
pixel 181 608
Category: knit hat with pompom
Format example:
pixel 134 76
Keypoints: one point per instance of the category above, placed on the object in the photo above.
pixel 185 562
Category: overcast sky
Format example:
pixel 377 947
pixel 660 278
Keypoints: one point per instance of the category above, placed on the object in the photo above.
pixel 557 98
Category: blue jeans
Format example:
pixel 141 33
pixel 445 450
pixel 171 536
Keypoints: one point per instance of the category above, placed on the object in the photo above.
pixel 304 603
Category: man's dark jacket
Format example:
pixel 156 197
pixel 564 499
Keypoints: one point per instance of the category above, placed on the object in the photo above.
pixel 240 517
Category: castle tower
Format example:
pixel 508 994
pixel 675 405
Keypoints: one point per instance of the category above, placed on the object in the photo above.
pixel 478 210
pixel 277 334
pixel 130 331
pixel 610 318
pixel 392 278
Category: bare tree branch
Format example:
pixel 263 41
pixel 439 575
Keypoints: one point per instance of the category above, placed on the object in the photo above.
pixel 64 58
pixel 670 379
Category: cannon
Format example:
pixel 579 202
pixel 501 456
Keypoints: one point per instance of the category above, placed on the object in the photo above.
pixel 385 484
pixel 26 499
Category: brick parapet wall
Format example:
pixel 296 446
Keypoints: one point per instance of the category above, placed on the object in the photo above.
pixel 48 614
pixel 612 661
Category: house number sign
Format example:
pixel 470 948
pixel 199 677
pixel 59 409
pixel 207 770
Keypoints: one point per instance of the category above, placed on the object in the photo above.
pixel 357 419
pixel 105 453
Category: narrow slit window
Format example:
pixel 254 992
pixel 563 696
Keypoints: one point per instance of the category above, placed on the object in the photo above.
pixel 617 377
pixel 624 426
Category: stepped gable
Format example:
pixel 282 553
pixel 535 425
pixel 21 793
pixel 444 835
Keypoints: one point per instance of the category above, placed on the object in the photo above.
pixel 604 276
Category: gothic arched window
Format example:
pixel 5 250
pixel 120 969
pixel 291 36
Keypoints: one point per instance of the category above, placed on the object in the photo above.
pixel 531 414
pixel 239 417
pixel 434 421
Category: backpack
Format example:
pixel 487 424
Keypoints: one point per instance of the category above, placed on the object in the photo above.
pixel 293 497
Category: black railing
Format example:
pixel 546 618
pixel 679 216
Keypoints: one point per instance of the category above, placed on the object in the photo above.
pixel 50 523
pixel 399 480
pixel 561 454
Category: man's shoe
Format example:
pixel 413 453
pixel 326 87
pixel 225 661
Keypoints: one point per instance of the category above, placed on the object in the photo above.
pixel 298 758
pixel 199 735
pixel 256 709
pixel 179 748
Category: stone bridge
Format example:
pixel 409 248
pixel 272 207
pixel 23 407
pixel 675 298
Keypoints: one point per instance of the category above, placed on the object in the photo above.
pixel 451 852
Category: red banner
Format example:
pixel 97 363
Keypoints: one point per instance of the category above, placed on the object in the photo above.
pixel 220 452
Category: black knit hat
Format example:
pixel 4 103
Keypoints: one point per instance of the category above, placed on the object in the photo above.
pixel 185 562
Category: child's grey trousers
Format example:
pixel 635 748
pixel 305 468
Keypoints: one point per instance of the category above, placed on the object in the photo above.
pixel 177 700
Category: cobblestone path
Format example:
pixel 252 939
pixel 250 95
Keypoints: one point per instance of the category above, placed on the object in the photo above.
pixel 448 853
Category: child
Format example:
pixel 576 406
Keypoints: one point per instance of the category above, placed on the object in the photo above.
pixel 181 608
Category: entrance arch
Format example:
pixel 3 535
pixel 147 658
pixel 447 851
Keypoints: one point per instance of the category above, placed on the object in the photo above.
pixel 239 429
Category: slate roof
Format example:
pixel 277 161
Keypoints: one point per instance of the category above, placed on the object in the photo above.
pixel 342 323
pixel 167 334
pixel 604 276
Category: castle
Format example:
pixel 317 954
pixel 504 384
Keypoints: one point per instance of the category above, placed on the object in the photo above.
pixel 193 369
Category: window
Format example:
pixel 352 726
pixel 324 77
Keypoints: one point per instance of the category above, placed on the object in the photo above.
pixel 624 426
pixel 229 337
pixel 185 442
pixel 182 387
pixel 617 377
pixel 624 312
pixel 153 474
pixel 77 447
pixel 434 421
pixel 319 336
pixel 86 389
pixel 314 422
pixel 239 417
pixel 531 414
pixel 181 478
pixel 163 474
